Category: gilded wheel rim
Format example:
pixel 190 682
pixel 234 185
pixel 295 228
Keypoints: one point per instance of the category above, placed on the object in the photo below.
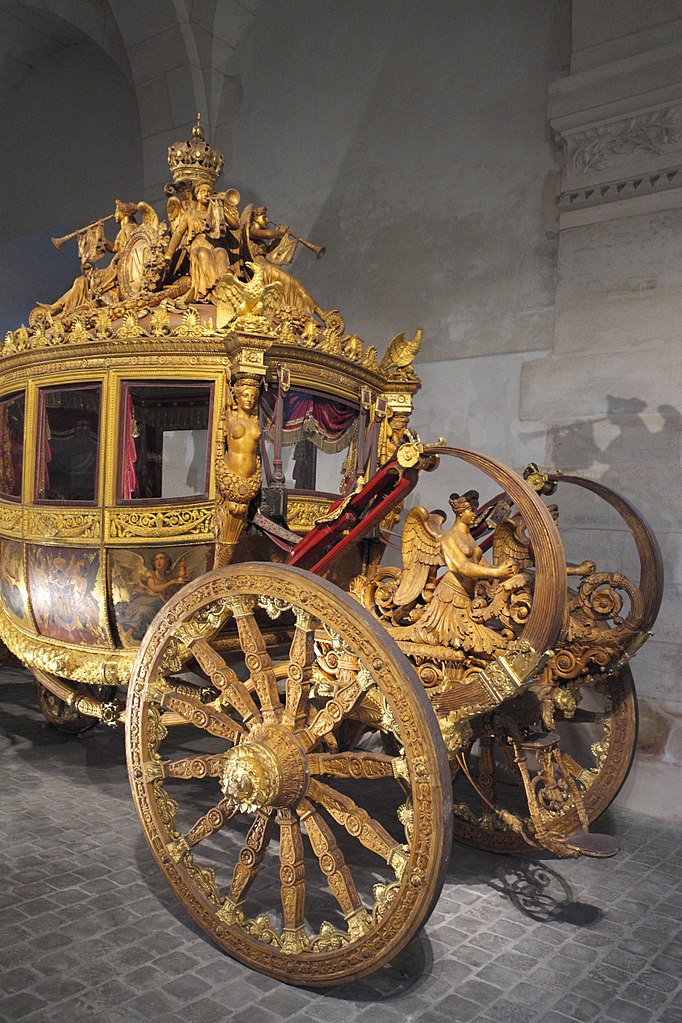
pixel 305 862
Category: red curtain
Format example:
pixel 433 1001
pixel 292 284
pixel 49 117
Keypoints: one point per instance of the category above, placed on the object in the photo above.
pixel 329 424
pixel 129 480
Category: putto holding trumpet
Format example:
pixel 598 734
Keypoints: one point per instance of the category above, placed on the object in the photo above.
pixel 206 241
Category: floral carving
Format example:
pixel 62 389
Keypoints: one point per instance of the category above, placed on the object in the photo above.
pixel 652 133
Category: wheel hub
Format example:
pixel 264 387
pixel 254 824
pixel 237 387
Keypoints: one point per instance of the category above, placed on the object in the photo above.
pixel 267 770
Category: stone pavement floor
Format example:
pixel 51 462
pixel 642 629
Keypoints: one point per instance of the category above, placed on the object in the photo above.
pixel 90 931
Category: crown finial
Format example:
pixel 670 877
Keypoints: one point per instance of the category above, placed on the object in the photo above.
pixel 195 160
pixel 197 130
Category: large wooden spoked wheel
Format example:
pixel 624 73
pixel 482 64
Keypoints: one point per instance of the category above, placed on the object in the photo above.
pixel 598 740
pixel 308 864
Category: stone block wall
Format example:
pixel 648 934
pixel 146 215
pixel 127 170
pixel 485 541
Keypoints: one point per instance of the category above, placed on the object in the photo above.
pixel 610 395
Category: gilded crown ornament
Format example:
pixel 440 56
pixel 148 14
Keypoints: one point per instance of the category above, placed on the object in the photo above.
pixel 195 160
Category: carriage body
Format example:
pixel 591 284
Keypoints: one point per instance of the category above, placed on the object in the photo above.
pixel 108 496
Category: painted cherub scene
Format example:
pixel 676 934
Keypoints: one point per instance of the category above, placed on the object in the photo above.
pixel 143 580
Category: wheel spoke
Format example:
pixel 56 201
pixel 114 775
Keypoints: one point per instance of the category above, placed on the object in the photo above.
pixel 205 765
pixel 202 716
pixel 257 659
pixel 572 765
pixel 333 866
pixel 292 877
pixel 359 824
pixel 334 711
pixel 357 764
pixel 301 656
pixel 224 678
pixel 582 716
pixel 486 769
pixel 213 820
pixel 251 855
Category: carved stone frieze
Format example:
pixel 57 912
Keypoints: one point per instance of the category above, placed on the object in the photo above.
pixel 610 158
pixel 654 132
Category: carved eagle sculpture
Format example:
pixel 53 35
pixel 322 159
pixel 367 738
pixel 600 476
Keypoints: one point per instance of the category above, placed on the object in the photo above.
pixel 421 552
pixel 251 298
pixel 401 353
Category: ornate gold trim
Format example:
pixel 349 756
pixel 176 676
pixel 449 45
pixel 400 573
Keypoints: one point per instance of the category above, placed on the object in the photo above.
pixel 78 663
pixel 43 525
pixel 11 520
pixel 156 524
pixel 303 510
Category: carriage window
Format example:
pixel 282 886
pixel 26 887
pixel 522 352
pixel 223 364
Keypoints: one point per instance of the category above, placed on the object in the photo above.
pixel 11 444
pixel 318 435
pixel 164 441
pixel 68 441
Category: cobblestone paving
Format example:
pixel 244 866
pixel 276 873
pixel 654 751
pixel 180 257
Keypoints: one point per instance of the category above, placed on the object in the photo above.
pixel 90 931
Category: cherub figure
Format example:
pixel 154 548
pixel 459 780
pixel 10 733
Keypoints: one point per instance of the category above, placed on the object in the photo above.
pixel 449 618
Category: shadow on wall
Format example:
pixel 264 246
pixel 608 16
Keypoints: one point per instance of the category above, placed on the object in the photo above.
pixel 628 435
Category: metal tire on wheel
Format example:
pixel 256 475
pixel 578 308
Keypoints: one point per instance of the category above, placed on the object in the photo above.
pixel 273 839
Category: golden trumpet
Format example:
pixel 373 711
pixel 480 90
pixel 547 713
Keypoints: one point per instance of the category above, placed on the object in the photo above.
pixel 58 242
pixel 319 250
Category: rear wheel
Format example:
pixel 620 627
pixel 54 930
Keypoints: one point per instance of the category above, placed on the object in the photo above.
pixel 59 713
pixel 597 745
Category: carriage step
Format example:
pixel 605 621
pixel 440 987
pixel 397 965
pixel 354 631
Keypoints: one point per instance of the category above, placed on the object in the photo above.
pixel 540 741
pixel 587 843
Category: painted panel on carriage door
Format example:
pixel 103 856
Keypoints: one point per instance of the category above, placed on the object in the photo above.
pixel 12 580
pixel 67 594
pixel 142 580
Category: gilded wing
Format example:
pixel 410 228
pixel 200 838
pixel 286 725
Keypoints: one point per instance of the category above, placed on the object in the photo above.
pixel 420 552
pixel 149 215
pixel 173 211
pixel 127 570
pixel 401 352
pixel 233 296
pixel 266 297
pixel 510 543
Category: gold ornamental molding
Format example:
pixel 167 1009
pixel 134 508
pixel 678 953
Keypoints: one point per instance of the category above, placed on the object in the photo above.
pixel 303 510
pixel 43 524
pixel 11 523
pixel 159 524
pixel 79 663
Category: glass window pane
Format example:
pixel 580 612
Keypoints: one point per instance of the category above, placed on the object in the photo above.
pixel 11 444
pixel 68 442
pixel 165 442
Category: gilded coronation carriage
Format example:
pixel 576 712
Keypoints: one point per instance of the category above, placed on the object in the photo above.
pixel 200 471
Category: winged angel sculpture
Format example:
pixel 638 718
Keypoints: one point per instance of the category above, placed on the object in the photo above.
pixel 447 612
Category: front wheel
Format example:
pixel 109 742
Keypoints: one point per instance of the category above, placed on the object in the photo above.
pixel 306 862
